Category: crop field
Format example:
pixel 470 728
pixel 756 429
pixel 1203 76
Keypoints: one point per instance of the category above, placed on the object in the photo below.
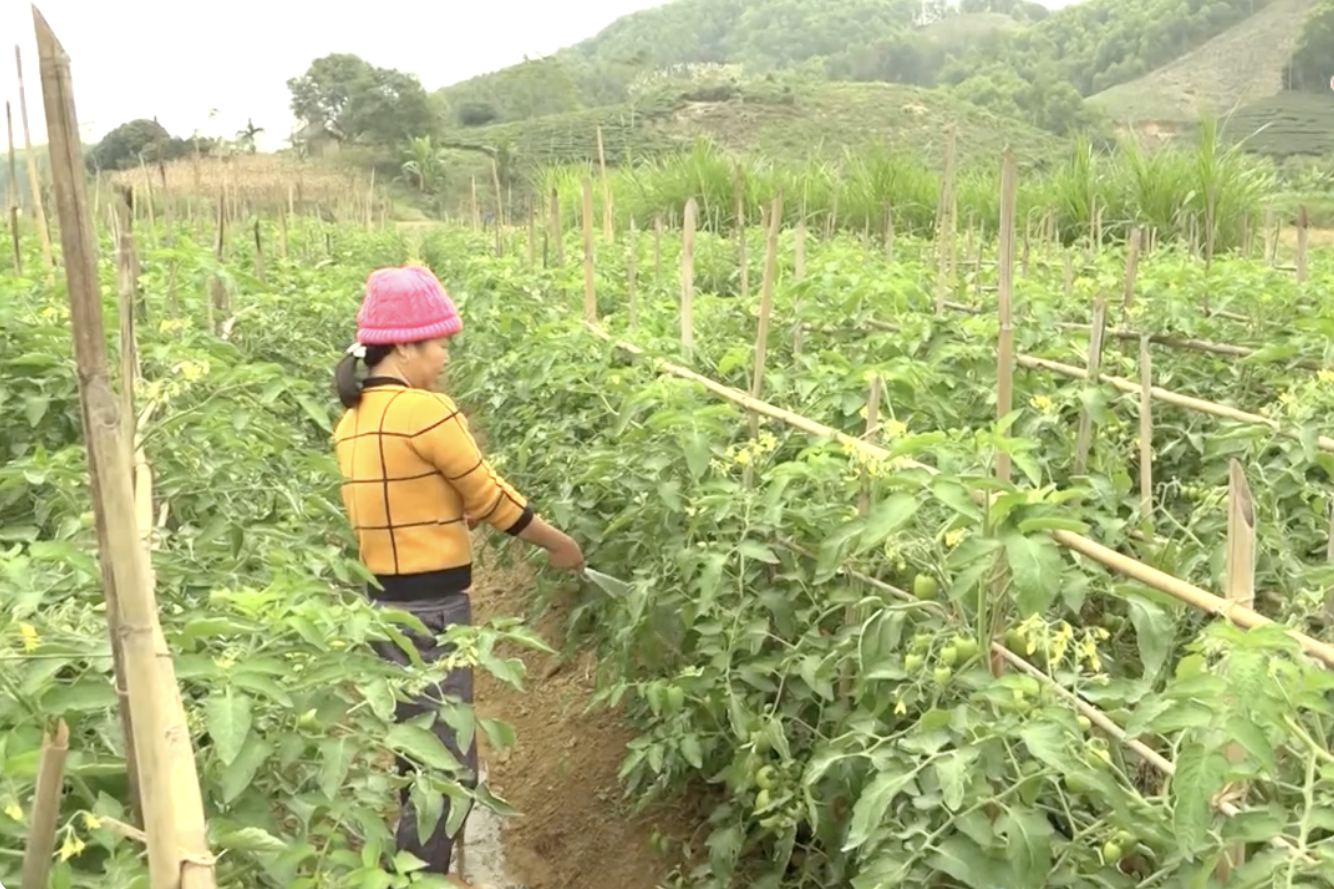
pixel 879 660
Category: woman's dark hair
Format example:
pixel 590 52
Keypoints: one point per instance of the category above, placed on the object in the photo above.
pixel 346 383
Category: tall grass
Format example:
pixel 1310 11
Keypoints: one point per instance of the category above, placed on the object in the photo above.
pixel 1169 190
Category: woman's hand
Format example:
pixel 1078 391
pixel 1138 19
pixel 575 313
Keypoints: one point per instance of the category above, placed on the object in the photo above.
pixel 567 556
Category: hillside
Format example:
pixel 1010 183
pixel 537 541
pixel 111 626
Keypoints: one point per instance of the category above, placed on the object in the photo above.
pixel 1243 64
pixel 1012 57
pixel 819 120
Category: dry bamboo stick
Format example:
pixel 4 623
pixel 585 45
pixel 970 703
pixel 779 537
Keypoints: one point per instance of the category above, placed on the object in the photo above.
pixel 41 842
pixel 1324 442
pixel 178 853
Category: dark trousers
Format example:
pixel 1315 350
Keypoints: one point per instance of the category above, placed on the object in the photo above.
pixel 438 615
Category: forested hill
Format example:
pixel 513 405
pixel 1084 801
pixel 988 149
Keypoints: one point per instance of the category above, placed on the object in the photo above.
pixel 1011 56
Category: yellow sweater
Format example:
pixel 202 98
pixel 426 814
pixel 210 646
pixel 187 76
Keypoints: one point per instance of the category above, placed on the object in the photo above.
pixel 411 469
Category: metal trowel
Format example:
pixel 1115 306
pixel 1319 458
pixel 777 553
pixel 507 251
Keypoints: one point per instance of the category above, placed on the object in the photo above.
pixel 608 584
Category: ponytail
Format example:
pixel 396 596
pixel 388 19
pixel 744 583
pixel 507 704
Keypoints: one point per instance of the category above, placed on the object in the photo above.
pixel 346 383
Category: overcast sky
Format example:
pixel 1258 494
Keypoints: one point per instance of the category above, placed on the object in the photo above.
pixel 140 58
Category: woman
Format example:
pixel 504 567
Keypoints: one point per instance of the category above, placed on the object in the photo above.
pixel 414 482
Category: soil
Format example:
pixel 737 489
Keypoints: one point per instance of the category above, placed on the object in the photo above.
pixel 574 827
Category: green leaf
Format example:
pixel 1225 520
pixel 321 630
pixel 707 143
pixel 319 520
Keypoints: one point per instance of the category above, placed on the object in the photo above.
pixel 757 551
pixel 34 408
pixel 251 839
pixel 1035 566
pixel 952 773
pixel 1028 845
pixel 227 717
pixel 1155 631
pixel 317 412
pixel 869 810
pixel 1049 743
pixel 335 761
pixel 499 734
pixel 421 745
pixel 691 752
pixel 1200 773
pixel 697 453
pixel 237 778
pixel 884 519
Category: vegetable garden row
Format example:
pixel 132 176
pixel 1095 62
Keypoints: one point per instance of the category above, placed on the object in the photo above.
pixel 856 738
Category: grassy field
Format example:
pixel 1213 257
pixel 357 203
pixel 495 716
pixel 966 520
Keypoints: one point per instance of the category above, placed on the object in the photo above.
pixel 1243 64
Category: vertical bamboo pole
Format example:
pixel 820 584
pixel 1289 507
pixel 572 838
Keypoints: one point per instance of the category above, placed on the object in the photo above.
pixel 1084 439
pixel 590 292
pixel 1302 234
pixel 34 180
pixel 688 276
pixel 1145 436
pixel 1004 299
pixel 608 229
pixel 945 221
pixel 990 618
pixel 1239 580
pixel 40 847
pixel 14 196
pixel 742 264
pixel 798 272
pixel 631 266
pixel 766 307
pixel 178 853
pixel 557 236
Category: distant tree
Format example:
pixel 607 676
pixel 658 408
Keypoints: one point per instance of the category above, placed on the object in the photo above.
pixel 1309 69
pixel 134 142
pixel 355 101
pixel 475 114
pixel 245 137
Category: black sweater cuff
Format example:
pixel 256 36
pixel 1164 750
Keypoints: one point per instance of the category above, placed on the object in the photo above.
pixel 522 522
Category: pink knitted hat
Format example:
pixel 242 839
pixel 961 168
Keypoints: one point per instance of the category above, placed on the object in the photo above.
pixel 405 305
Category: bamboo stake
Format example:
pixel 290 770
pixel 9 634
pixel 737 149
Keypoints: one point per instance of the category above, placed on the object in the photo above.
pixel 631 265
pixel 34 180
pixel 1239 587
pixel 688 276
pixel 178 853
pixel 1084 438
pixel 50 789
pixel 590 286
pixel 743 265
pixel 1005 295
pixel 1145 438
pixel 766 307
pixel 608 229
pixel 14 193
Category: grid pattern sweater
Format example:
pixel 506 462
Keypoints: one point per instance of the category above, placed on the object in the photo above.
pixel 411 469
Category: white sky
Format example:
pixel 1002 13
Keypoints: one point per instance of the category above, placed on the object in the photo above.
pixel 140 58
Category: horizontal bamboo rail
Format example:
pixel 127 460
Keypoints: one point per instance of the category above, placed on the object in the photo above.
pixel 1324 442
pixel 1190 344
pixel 1185 344
pixel 1158 393
pixel 1175 587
